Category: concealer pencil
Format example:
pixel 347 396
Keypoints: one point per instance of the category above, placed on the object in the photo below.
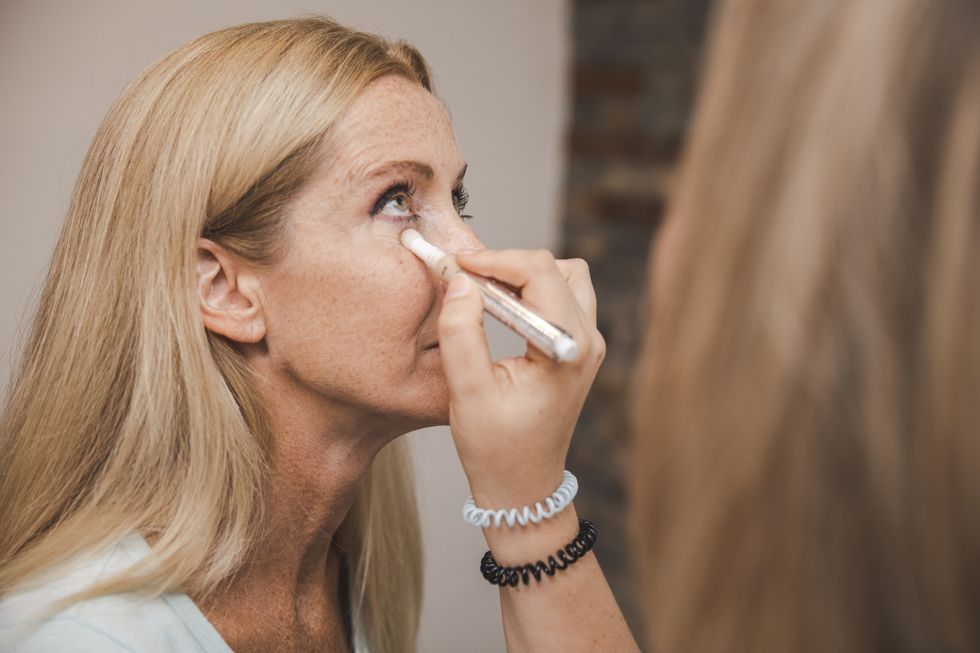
pixel 498 301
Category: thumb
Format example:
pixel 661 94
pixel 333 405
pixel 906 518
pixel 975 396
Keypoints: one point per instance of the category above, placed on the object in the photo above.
pixel 465 355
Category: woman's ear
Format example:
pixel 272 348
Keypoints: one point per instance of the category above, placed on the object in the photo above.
pixel 229 295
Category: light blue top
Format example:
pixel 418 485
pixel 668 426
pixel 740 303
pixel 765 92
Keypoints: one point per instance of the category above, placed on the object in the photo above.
pixel 107 624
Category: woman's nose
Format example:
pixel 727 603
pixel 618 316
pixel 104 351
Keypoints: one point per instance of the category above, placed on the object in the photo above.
pixel 453 235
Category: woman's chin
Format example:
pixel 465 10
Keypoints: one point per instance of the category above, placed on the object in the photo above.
pixel 429 406
pixel 435 414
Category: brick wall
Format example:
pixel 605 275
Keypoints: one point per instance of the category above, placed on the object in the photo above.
pixel 635 72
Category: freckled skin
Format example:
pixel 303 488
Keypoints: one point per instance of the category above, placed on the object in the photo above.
pixel 344 364
pixel 349 311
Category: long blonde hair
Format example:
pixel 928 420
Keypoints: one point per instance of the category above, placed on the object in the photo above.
pixel 124 412
pixel 808 421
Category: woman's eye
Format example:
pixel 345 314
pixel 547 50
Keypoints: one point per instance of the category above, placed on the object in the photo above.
pixel 397 205
pixel 396 202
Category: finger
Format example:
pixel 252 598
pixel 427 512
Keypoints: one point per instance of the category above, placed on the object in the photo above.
pixel 462 342
pixel 543 287
pixel 576 273
pixel 579 279
pixel 534 273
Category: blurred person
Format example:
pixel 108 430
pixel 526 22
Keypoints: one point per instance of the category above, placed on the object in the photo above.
pixel 200 445
pixel 807 426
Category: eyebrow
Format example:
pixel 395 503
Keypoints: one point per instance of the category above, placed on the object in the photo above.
pixel 409 166
pixel 416 167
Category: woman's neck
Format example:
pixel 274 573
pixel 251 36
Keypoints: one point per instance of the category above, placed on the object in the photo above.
pixel 287 594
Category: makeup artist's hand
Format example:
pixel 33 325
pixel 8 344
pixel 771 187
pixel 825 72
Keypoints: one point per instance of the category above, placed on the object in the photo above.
pixel 512 420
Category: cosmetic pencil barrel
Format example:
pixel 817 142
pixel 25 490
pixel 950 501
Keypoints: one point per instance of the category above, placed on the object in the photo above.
pixel 499 302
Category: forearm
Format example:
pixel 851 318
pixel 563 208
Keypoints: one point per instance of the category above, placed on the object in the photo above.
pixel 572 611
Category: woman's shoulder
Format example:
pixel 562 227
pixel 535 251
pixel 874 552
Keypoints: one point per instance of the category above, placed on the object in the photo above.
pixel 112 623
pixel 60 633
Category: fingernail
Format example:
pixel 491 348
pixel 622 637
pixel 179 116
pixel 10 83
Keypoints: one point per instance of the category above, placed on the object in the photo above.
pixel 458 286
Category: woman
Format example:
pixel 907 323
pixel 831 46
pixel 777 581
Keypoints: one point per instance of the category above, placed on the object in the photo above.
pixel 808 430
pixel 200 445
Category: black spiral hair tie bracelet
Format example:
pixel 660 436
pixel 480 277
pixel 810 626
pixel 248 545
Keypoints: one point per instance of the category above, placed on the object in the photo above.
pixel 574 550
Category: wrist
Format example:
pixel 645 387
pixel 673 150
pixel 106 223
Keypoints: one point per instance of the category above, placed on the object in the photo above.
pixel 514 492
pixel 517 546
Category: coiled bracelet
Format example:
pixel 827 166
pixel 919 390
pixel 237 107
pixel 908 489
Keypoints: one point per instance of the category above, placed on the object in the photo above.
pixel 558 501
pixel 572 551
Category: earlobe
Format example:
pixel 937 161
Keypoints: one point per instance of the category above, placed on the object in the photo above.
pixel 228 295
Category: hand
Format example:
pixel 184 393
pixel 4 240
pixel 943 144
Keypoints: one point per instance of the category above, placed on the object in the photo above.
pixel 512 420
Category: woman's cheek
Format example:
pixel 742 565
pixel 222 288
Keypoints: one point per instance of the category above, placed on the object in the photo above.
pixel 415 280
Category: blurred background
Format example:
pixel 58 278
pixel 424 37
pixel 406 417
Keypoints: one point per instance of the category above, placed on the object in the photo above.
pixel 571 114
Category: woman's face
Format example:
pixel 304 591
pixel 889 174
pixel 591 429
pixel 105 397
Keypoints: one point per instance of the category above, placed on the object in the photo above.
pixel 351 314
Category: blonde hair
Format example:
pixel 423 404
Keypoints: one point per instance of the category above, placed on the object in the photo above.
pixel 807 415
pixel 125 413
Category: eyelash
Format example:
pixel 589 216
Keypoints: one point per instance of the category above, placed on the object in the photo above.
pixel 461 198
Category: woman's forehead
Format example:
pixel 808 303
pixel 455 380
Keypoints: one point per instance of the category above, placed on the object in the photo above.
pixel 393 119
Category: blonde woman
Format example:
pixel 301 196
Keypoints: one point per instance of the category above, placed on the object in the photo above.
pixel 200 446
pixel 808 428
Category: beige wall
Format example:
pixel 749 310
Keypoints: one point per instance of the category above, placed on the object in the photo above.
pixel 499 65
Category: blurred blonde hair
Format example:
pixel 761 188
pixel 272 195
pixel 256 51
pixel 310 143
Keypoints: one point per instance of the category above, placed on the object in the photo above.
pixel 125 413
pixel 807 423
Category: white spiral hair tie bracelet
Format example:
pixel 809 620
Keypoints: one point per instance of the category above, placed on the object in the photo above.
pixel 553 505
